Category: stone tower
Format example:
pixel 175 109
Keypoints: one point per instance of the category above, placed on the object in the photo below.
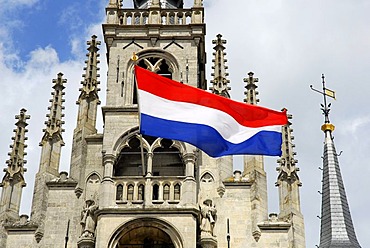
pixel 130 190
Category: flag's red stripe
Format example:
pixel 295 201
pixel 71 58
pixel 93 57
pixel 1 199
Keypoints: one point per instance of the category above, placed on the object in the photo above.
pixel 245 114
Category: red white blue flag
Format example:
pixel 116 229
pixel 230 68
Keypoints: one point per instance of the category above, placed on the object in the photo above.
pixel 216 125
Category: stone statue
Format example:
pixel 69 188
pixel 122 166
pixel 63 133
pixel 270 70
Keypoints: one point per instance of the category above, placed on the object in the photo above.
pixel 208 215
pixel 88 219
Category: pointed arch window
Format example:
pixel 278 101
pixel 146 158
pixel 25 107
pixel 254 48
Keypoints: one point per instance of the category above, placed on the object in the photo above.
pixel 158 65
pixel 177 189
pixel 141 192
pixel 129 161
pixel 166 192
pixel 166 160
pixel 119 192
pixel 130 192
pixel 155 192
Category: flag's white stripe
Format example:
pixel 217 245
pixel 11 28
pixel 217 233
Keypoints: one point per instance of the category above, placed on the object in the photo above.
pixel 226 125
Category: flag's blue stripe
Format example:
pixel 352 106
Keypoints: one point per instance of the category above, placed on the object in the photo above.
pixel 209 140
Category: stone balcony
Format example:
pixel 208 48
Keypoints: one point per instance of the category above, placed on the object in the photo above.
pixel 141 16
pixel 154 191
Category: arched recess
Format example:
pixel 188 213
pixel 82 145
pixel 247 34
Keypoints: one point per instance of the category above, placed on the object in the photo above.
pixel 166 155
pixel 92 186
pixel 148 232
pixel 155 60
pixel 167 159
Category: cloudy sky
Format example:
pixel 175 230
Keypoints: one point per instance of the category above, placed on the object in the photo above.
pixel 287 44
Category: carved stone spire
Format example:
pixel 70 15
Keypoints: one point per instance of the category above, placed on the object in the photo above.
pixel 254 167
pixel 287 170
pixel 220 81
pixel 251 93
pixel 13 181
pixel 89 98
pixel 88 102
pixel 289 183
pixel 90 83
pixel 52 140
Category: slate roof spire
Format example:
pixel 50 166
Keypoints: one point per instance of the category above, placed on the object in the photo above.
pixel 337 230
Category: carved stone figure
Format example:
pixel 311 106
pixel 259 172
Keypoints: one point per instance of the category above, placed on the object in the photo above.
pixel 88 219
pixel 208 215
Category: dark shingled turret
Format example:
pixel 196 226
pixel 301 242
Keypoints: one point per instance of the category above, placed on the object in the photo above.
pixel 337 230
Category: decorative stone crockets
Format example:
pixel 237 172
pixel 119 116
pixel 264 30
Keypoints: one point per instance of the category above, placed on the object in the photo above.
pixel 90 83
pixel 54 123
pixel 251 92
pixel 52 140
pixel 16 161
pixel 287 169
pixel 13 181
pixel 220 81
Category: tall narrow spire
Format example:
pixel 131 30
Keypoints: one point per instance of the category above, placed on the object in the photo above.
pixel 13 181
pixel 52 140
pixel 89 98
pixel 289 183
pixel 288 180
pixel 337 228
pixel 254 167
pixel 220 81
pixel 88 102
pixel 51 146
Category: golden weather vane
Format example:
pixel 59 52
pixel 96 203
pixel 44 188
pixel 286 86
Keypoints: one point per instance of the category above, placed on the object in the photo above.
pixel 325 92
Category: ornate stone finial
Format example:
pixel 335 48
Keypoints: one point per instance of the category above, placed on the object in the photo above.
pixel 154 3
pixel 16 161
pixel 287 169
pixel 90 84
pixel 54 123
pixel 220 81
pixel 198 3
pixel 115 3
pixel 251 93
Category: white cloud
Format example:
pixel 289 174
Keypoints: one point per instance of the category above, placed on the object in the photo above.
pixel 356 126
pixel 17 3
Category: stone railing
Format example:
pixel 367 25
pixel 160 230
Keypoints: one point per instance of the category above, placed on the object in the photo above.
pixel 168 17
pixel 148 191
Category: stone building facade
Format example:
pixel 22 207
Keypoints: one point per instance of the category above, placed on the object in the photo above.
pixel 181 197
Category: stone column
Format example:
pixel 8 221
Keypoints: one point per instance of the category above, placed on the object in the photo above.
pixel 107 190
pixel 189 160
pixel 189 193
pixel 149 168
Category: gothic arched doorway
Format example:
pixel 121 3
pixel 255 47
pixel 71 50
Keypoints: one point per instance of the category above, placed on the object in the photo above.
pixel 146 233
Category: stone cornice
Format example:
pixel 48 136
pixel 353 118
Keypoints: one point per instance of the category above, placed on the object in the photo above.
pixel 284 226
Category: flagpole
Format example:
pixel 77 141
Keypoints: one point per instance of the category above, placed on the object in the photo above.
pixel 135 59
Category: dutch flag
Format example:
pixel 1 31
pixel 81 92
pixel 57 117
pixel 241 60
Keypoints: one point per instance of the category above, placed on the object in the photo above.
pixel 216 125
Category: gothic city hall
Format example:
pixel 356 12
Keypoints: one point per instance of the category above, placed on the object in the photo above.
pixel 131 189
